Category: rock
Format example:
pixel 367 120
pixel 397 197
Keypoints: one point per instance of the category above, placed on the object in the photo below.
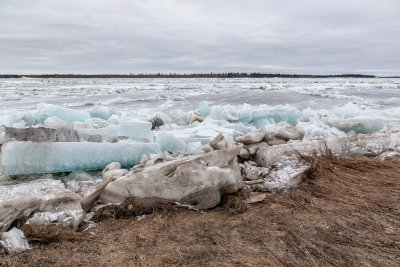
pixel 219 142
pixel 41 134
pixel 40 201
pixel 156 122
pixel 195 180
pixel 14 241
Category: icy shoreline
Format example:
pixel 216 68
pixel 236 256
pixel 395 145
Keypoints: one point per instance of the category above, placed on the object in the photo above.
pixel 190 157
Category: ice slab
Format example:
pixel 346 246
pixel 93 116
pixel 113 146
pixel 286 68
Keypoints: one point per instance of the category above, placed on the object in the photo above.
pixel 38 202
pixel 359 124
pixel 53 157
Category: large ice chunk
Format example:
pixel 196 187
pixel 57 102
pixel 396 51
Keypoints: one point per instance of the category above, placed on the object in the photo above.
pixel 197 180
pixel 52 157
pixel 100 112
pixel 360 124
pixel 48 110
pixel 171 143
pixel 38 202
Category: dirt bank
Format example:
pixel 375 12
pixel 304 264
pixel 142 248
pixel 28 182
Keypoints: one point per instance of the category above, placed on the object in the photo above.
pixel 347 212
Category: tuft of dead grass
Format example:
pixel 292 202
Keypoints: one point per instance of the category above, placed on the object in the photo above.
pixel 345 213
pixel 49 233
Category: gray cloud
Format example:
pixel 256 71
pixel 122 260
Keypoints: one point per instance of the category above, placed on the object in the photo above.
pixel 302 36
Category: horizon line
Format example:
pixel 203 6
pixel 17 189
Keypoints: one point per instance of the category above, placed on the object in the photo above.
pixel 193 75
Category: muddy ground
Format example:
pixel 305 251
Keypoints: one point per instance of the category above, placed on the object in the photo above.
pixel 345 213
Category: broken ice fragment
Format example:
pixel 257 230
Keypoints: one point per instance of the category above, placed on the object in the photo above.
pixel 14 241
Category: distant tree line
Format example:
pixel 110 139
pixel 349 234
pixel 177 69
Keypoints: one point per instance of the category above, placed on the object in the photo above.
pixel 191 75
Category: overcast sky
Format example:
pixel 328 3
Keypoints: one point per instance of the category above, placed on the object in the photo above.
pixel 122 36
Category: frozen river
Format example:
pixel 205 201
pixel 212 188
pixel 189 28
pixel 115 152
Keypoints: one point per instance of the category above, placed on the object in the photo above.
pixel 192 111
pixel 168 94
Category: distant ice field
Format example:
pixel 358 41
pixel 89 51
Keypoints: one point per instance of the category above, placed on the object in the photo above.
pixel 100 112
pixel 186 94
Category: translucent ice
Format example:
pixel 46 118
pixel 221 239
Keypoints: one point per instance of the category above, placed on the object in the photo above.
pixel 100 112
pixel 28 157
pixel 47 110
pixel 172 144
pixel 258 116
pixel 360 124
pixel 205 110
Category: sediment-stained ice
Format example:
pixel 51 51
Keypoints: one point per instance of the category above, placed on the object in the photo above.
pixel 38 202
pixel 53 157
pixel 196 180
pixel 133 129
pixel 41 134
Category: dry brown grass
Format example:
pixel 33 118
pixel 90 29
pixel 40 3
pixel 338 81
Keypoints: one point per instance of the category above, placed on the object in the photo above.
pixel 346 213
